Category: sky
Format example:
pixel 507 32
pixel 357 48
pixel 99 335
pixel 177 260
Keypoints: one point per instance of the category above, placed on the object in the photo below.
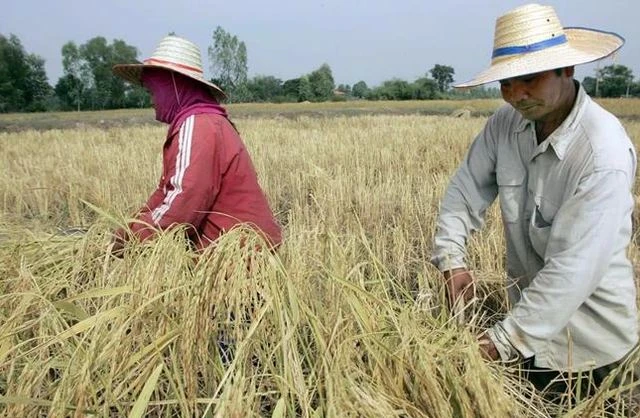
pixel 370 40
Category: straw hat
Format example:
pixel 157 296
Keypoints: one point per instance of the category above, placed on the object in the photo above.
pixel 530 39
pixel 175 54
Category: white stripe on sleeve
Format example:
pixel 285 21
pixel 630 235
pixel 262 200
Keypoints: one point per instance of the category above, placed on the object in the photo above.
pixel 182 163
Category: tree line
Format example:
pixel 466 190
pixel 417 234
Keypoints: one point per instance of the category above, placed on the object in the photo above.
pixel 88 84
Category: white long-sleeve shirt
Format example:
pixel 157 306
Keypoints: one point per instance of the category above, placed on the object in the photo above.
pixel 566 207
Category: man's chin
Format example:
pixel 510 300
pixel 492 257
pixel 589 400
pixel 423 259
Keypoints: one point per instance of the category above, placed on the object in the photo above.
pixel 529 114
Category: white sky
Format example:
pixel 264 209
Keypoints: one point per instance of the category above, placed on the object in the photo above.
pixel 370 40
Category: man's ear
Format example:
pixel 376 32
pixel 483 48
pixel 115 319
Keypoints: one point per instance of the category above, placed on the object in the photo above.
pixel 569 71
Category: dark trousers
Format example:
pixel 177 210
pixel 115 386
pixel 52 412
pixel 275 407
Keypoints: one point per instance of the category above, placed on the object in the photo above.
pixel 566 389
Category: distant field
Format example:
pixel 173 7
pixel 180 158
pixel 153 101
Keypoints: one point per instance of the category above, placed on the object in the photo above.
pixel 347 320
pixel 624 108
pixel 109 118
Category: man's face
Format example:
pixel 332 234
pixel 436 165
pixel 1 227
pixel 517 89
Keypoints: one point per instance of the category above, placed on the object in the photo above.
pixel 538 96
pixel 163 93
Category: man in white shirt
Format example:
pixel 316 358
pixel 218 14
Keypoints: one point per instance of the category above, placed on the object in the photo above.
pixel 563 168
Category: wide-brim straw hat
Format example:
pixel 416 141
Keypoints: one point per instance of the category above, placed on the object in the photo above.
pixel 175 54
pixel 530 39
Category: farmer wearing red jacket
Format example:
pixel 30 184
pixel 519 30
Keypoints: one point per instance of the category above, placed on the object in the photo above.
pixel 208 180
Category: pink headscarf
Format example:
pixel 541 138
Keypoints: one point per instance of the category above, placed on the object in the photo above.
pixel 177 97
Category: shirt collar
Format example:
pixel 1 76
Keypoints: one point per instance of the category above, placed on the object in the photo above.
pixel 560 139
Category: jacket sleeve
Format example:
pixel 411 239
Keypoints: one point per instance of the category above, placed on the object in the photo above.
pixel 154 200
pixel 191 187
pixel 470 192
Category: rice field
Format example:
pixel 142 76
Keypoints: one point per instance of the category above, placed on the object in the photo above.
pixel 346 320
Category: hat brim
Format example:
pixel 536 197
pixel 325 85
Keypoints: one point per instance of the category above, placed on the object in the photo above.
pixel 584 45
pixel 133 74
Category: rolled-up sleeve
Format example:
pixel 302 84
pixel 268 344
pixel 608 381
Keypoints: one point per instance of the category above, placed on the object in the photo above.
pixel 585 234
pixel 470 192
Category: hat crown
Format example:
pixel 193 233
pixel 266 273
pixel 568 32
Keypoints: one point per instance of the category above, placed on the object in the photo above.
pixel 526 26
pixel 530 39
pixel 179 52
pixel 173 53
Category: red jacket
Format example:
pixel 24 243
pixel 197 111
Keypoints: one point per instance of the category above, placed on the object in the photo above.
pixel 209 182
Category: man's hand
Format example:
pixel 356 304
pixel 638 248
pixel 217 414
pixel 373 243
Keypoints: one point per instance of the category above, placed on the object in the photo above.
pixel 488 348
pixel 460 285
pixel 118 241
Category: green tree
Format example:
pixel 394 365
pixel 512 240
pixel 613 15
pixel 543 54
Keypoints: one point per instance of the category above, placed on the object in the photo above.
pixel 137 97
pixel 38 90
pixel 613 81
pixel 322 84
pixel 443 74
pixel 425 88
pixel 589 85
pixel 77 78
pixel 13 73
pixel 120 52
pixel 360 90
pixel 305 89
pixel 23 81
pixel 480 92
pixel 95 53
pixel 344 88
pixel 88 82
pixel 291 89
pixel 265 88
pixel 109 90
pixel 394 89
pixel 66 91
pixel 228 61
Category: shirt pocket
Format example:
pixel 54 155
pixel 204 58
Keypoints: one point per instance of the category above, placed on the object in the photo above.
pixel 510 182
pixel 542 217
